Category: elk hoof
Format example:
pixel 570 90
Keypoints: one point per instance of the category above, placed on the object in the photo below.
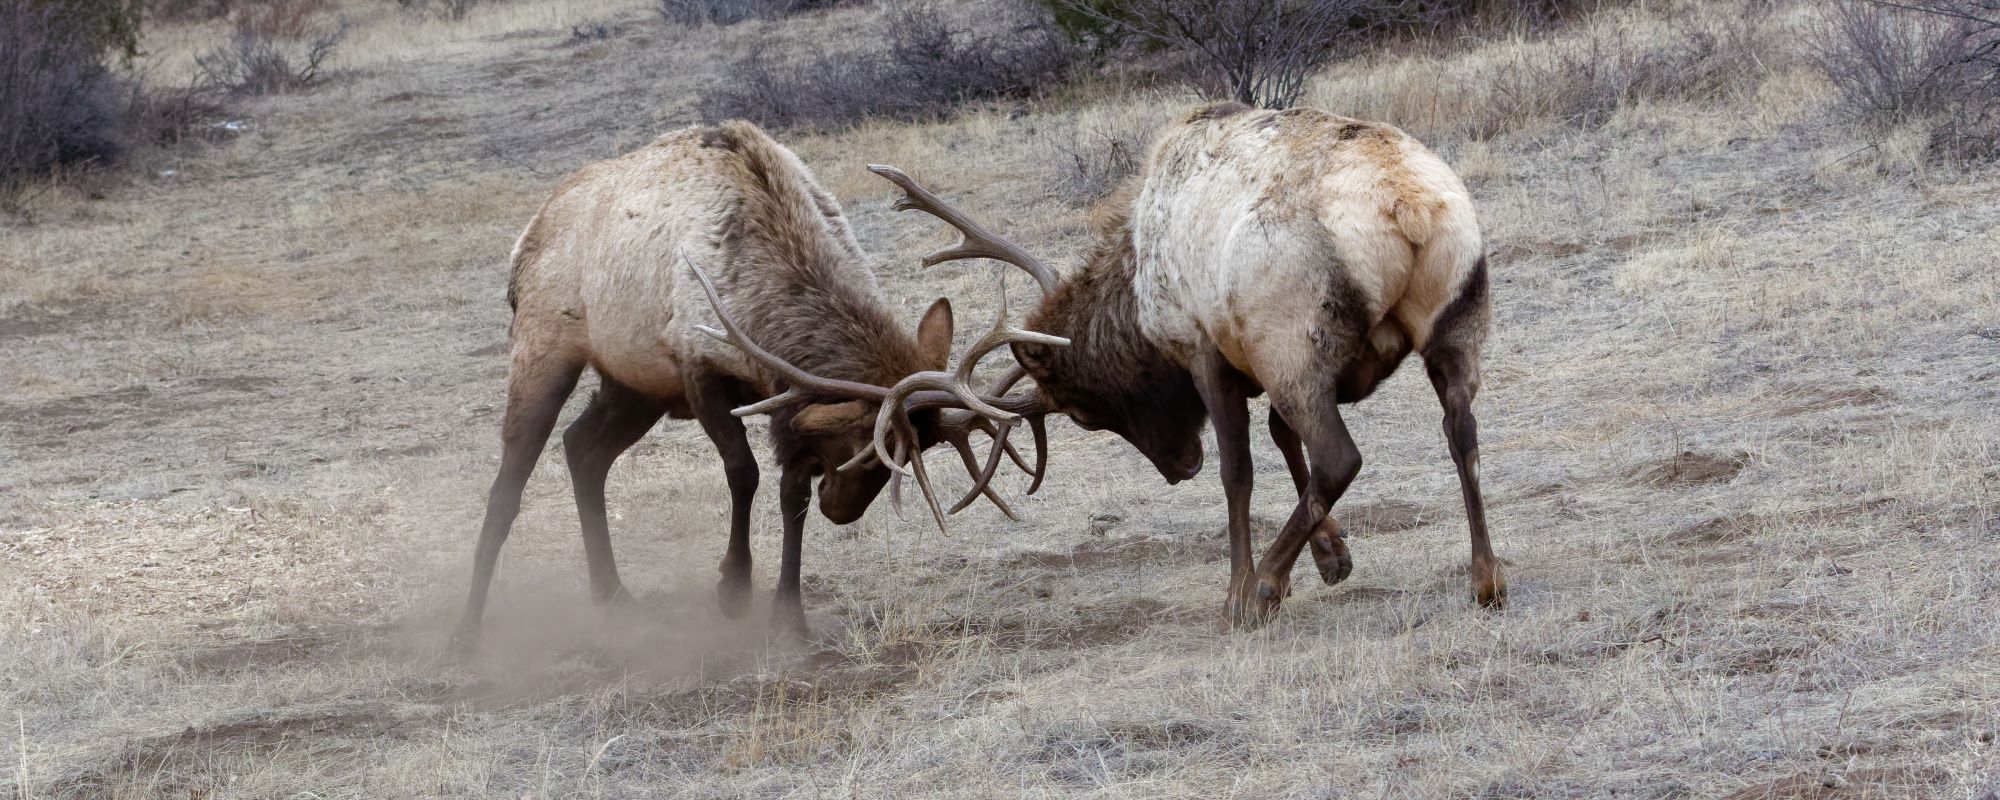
pixel 464 642
pixel 1252 603
pixel 733 596
pixel 1329 550
pixel 788 620
pixel 1489 586
pixel 615 597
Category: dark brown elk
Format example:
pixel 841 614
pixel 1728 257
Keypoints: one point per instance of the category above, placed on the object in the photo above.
pixel 600 280
pixel 1295 253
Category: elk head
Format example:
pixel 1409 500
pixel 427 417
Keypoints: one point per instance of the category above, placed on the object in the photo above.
pixel 829 434
pixel 1108 377
pixel 922 409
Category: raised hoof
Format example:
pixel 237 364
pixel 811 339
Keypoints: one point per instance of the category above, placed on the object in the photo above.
pixel 733 597
pixel 1329 551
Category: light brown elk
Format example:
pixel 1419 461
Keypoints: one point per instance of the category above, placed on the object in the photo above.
pixel 1295 253
pixel 601 280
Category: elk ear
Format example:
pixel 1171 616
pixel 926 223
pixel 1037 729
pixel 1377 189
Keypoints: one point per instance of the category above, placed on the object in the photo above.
pixel 825 418
pixel 1032 355
pixel 934 335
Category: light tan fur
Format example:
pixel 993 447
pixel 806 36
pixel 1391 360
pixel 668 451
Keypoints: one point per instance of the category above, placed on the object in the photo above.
pixel 599 270
pixel 1245 221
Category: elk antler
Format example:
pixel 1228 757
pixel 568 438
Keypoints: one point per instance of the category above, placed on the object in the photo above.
pixel 925 389
pixel 974 240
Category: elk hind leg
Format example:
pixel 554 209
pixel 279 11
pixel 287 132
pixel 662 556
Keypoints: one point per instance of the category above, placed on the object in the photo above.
pixel 1328 548
pixel 537 385
pixel 615 420
pixel 1454 373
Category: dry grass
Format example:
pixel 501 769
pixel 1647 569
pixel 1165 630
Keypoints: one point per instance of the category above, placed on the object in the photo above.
pixel 1739 443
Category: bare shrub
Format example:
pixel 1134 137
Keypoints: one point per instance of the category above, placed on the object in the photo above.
pixel 442 9
pixel 190 10
pixel 1098 156
pixel 926 66
pixel 58 103
pixel 1583 80
pixel 1258 51
pixel 695 13
pixel 1924 60
pixel 277 48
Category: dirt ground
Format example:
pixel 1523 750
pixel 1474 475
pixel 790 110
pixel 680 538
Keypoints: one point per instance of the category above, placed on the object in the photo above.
pixel 1739 428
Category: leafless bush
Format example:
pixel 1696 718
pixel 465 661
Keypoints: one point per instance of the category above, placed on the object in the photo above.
pixel 167 115
pixel 58 104
pixel 695 13
pixel 1099 156
pixel 269 53
pixel 926 66
pixel 442 9
pixel 1583 80
pixel 1933 60
pixel 1258 51
pixel 190 10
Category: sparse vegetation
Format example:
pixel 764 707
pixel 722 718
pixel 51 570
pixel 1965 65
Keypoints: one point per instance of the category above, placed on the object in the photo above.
pixel 275 47
pixel 1101 153
pixel 695 13
pixel 926 64
pixel 59 103
pixel 1930 62
pixel 1258 51
pixel 442 9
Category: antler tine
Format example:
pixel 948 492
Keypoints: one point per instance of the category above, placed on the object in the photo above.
pixel 981 484
pixel 1035 425
pixel 1041 450
pixel 803 385
pixel 916 466
pixel 975 241
pixel 961 441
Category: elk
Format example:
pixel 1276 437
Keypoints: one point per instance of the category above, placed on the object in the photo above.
pixel 599 281
pixel 1295 253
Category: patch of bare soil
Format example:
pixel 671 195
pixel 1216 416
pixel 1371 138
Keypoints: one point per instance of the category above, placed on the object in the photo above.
pixel 1386 516
pixel 1826 400
pixel 1689 468
pixel 1097 554
pixel 1098 625
pixel 322 733
pixel 1361 594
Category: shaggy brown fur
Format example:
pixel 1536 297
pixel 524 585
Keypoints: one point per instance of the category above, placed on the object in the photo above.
pixel 601 280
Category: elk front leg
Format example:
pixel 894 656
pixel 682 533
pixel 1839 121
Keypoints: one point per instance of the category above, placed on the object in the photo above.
pixel 788 613
pixel 1223 393
pixel 1455 375
pixel 711 399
